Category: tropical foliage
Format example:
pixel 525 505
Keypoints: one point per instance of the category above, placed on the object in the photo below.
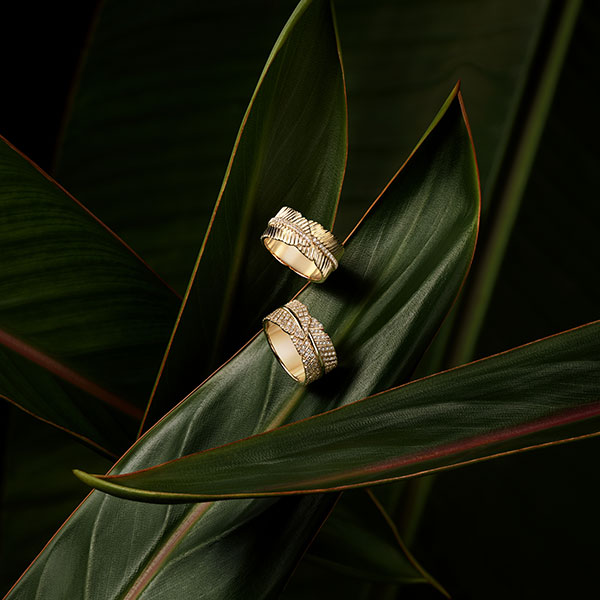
pixel 232 468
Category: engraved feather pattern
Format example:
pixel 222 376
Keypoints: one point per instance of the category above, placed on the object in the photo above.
pixel 309 237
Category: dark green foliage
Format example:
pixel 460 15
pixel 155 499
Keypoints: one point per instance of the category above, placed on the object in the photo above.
pixel 148 131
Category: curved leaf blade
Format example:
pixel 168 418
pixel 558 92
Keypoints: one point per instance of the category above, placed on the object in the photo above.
pixel 77 307
pixel 160 97
pixel 154 111
pixel 525 396
pixel 402 268
pixel 38 491
pixel 400 56
pixel 360 539
pixel 545 285
pixel 290 150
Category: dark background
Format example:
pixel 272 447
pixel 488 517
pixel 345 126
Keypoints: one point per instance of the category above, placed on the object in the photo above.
pixel 41 45
pixel 520 527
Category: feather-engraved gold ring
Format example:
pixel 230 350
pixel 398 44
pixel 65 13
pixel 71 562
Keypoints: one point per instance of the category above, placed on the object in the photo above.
pixel 304 246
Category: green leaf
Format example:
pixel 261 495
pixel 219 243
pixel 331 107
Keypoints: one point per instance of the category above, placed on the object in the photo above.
pixel 291 150
pixel 399 57
pixel 360 540
pixel 38 491
pixel 153 114
pixel 356 540
pixel 401 271
pixel 161 93
pixel 525 397
pixel 545 281
pixel 82 319
pixel 536 514
pixel 479 293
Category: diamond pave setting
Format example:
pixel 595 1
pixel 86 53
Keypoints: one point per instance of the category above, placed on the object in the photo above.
pixel 309 338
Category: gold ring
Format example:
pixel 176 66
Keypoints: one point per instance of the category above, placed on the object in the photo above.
pixel 304 246
pixel 299 342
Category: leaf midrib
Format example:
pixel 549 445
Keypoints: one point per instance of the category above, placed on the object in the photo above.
pixel 149 571
pixel 67 374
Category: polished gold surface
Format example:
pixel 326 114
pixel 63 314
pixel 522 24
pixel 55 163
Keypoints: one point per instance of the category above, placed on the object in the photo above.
pixel 291 257
pixel 304 246
pixel 285 351
pixel 299 342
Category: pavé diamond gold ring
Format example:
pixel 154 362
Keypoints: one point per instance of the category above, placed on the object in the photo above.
pixel 299 342
pixel 302 245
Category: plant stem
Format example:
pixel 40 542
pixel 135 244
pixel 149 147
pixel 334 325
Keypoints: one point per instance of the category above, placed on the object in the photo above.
pixel 474 305
pixel 509 200
pixel 413 561
pixel 414 506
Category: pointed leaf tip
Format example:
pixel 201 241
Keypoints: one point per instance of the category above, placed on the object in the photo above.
pixel 414 239
pixel 525 397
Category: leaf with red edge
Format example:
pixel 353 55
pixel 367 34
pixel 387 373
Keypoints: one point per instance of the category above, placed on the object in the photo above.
pixel 290 151
pixel 83 321
pixel 530 396
pixel 401 271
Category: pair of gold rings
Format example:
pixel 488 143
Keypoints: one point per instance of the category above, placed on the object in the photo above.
pixel 297 339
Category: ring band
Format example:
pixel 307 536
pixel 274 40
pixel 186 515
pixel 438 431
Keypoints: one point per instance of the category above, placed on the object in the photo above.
pixel 299 342
pixel 304 246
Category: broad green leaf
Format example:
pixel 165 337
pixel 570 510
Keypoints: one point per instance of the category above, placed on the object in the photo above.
pixel 38 491
pixel 290 151
pixel 154 112
pixel 402 268
pixel 83 321
pixel 528 396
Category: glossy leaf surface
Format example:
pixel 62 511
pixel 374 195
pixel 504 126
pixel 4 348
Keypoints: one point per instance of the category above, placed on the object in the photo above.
pixel 290 151
pixel 401 270
pixel 83 321
pixel 502 403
